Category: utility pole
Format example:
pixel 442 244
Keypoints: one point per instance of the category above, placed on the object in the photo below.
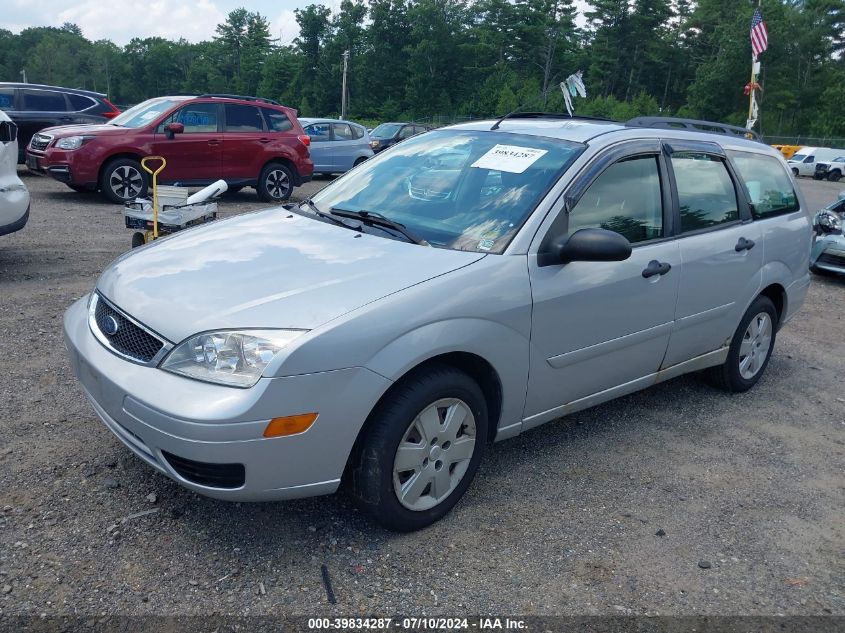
pixel 343 97
pixel 23 74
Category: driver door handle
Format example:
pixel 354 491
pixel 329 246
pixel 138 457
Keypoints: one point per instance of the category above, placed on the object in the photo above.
pixel 656 268
pixel 744 245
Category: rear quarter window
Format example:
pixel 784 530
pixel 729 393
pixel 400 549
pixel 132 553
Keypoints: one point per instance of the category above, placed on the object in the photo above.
pixel 80 102
pixel 277 121
pixel 767 185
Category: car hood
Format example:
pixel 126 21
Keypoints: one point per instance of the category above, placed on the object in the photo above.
pixel 81 129
pixel 272 269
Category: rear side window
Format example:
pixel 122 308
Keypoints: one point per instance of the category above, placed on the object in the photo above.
pixel 767 184
pixel 43 101
pixel 7 98
pixel 342 132
pixel 625 198
pixel 706 193
pixel 80 102
pixel 276 121
pixel 243 118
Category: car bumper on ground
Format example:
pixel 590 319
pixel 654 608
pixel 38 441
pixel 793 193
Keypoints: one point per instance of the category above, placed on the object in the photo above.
pixel 209 438
pixel 828 253
pixel 16 225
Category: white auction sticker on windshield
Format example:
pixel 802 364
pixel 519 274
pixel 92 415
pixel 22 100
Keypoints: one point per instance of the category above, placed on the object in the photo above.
pixel 511 158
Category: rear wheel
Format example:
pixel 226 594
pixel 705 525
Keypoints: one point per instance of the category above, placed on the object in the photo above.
pixel 138 239
pixel 123 180
pixel 358 161
pixel 421 449
pixel 750 350
pixel 275 184
pixel 834 176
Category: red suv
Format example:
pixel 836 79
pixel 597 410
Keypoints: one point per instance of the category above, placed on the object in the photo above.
pixel 246 141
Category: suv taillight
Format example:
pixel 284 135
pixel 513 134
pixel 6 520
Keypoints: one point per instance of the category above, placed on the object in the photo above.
pixel 305 139
pixel 113 112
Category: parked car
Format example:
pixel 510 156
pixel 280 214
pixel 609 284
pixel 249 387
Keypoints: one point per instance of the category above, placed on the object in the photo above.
pixel 14 198
pixel 832 170
pixel 388 134
pixel 34 107
pixel 246 141
pixel 803 163
pixel 371 336
pixel 336 146
pixel 828 253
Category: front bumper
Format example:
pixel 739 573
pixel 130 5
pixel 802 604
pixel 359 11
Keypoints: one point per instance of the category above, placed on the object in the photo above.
pixel 828 253
pixel 168 421
pixel 67 166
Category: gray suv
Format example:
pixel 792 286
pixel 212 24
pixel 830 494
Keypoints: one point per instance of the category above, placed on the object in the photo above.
pixel 459 288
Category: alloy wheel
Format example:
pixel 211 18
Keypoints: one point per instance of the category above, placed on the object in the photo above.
pixel 126 182
pixel 277 183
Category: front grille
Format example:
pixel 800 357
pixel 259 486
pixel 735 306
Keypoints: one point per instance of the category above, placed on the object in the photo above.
pixel 40 142
pixel 205 474
pixel 129 339
pixel 833 260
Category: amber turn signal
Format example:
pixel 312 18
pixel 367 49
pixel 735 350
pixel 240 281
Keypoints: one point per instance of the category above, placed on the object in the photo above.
pixel 290 425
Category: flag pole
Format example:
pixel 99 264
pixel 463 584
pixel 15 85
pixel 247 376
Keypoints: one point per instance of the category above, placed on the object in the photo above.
pixel 752 120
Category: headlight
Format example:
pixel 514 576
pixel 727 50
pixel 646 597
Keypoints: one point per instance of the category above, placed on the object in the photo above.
pixel 235 358
pixel 71 142
pixel 827 222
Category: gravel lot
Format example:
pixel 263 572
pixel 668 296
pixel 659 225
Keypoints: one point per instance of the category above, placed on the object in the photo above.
pixel 676 500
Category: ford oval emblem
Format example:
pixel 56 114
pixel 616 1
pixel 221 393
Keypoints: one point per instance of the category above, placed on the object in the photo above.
pixel 110 325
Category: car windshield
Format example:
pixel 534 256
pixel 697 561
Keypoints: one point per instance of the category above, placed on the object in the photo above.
pixel 456 189
pixel 145 112
pixel 386 130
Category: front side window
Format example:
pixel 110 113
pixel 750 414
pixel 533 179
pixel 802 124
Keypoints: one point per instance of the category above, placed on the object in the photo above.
pixel 767 184
pixel 706 193
pixel 243 118
pixel 43 101
pixel 342 132
pixel 198 118
pixel 462 190
pixel 407 131
pixel 319 132
pixel 798 158
pixel 276 120
pixel 625 198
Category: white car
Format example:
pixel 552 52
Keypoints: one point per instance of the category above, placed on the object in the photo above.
pixel 14 198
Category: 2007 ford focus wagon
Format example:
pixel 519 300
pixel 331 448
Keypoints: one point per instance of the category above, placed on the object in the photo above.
pixel 464 286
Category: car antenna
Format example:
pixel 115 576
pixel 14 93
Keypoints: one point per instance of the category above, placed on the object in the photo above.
pixel 509 114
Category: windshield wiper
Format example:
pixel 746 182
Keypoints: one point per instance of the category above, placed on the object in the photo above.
pixel 310 204
pixel 371 218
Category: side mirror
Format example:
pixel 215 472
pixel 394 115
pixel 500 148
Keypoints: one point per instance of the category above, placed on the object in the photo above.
pixel 171 129
pixel 592 245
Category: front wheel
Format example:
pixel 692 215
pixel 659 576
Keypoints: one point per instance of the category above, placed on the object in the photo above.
pixel 834 176
pixel 421 449
pixel 750 350
pixel 275 184
pixel 123 180
pixel 795 172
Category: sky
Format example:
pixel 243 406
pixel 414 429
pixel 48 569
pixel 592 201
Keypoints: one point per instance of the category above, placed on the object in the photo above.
pixel 121 20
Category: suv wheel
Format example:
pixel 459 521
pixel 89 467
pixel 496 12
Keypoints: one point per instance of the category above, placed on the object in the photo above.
pixel 123 180
pixel 834 176
pixel 275 184
pixel 795 172
pixel 421 449
pixel 751 348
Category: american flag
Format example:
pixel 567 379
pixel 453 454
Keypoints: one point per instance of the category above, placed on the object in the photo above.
pixel 759 34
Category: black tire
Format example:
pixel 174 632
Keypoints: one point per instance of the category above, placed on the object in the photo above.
pixel 834 175
pixel 79 188
pixel 727 376
pixel 234 189
pixel 275 184
pixel 795 172
pixel 138 239
pixel 119 182
pixel 818 176
pixel 370 479
pixel 358 161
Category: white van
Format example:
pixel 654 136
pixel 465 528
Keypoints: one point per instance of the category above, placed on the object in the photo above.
pixel 14 198
pixel 803 162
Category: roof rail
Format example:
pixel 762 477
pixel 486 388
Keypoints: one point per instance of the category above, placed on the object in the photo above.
pixel 556 115
pixel 694 125
pixel 242 97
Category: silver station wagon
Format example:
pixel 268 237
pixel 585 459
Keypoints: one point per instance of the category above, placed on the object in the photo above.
pixel 459 288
